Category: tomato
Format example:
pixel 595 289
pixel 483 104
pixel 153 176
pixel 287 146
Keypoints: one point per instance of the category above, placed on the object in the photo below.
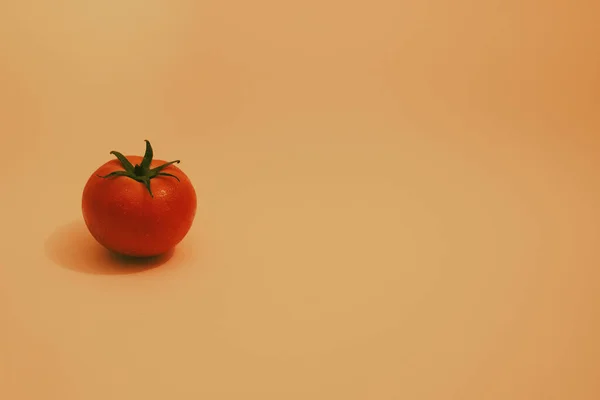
pixel 138 206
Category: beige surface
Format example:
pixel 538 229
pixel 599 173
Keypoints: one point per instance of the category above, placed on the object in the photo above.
pixel 397 199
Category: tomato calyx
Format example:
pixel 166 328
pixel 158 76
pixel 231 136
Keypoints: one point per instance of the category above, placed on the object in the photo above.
pixel 141 172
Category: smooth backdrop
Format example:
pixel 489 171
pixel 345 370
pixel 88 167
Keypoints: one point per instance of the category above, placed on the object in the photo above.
pixel 398 200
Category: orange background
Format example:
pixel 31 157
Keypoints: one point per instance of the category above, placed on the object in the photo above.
pixel 397 199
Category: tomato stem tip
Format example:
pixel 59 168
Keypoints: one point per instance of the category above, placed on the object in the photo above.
pixel 141 172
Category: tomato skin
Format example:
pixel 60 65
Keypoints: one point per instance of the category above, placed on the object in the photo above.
pixel 122 216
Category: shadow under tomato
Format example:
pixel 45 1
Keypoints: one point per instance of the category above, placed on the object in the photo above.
pixel 72 247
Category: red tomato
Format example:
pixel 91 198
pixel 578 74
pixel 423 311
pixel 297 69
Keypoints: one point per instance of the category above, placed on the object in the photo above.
pixel 139 206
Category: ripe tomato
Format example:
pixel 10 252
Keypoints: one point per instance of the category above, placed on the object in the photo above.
pixel 139 206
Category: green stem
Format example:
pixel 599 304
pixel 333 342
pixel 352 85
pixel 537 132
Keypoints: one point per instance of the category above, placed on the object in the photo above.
pixel 140 172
